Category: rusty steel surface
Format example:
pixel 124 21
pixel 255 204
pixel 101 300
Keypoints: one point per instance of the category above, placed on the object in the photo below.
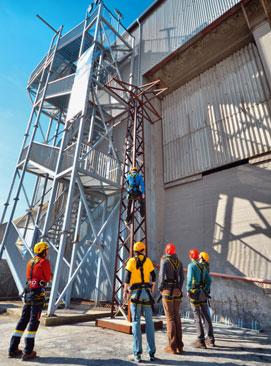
pixel 140 110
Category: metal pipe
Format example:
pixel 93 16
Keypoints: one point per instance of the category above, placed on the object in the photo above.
pixel 139 77
pixel 46 23
pixel 66 223
pixel 48 130
pixel 57 129
pixel 97 284
pixel 238 278
pixel 86 255
pixel 33 133
pixel 74 251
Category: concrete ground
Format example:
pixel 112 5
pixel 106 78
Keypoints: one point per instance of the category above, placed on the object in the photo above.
pixel 83 344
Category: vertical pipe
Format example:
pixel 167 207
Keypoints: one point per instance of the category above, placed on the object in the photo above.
pixel 67 214
pixel 66 224
pixel 58 35
pixel 40 209
pixel 98 275
pixel 31 206
pixel 139 79
pixel 48 130
pixel 134 163
pixel 36 187
pixel 76 240
pixel 57 129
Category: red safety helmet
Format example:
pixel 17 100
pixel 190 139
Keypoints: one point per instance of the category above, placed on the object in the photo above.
pixel 194 253
pixel 170 249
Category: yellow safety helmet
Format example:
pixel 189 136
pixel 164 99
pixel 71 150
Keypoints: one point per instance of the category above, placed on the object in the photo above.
pixel 139 246
pixel 40 247
pixel 204 256
pixel 134 169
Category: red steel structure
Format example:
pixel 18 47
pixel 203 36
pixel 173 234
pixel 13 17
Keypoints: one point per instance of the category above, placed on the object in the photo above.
pixel 140 109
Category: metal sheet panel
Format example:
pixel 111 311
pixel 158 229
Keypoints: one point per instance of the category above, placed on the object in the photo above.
pixel 80 85
pixel 174 23
pixel 219 117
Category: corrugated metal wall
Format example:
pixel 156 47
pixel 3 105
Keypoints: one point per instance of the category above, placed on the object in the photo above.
pixel 219 117
pixel 174 23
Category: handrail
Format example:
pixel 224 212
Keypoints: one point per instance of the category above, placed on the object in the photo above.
pixel 238 278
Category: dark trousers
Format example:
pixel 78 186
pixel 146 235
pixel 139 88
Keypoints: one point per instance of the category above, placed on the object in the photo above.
pixel 31 317
pixel 203 319
pixel 174 325
pixel 135 197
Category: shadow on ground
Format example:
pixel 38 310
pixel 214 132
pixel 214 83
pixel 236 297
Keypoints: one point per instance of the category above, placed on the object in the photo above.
pixel 118 362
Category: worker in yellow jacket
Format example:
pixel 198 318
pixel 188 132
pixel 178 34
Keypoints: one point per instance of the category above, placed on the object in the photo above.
pixel 139 284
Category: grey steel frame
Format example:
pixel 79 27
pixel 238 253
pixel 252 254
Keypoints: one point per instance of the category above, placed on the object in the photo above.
pixel 73 175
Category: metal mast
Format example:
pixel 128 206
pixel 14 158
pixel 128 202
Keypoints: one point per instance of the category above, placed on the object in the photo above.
pixel 140 110
pixel 76 162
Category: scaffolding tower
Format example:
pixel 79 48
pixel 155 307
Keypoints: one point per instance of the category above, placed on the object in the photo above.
pixel 68 174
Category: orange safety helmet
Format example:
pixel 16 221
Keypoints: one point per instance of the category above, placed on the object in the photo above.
pixel 194 254
pixel 170 249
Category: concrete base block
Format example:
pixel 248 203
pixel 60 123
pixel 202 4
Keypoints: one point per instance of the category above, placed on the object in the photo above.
pixel 71 318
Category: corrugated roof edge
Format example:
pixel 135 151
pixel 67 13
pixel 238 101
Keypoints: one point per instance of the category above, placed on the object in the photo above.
pixel 145 14
pixel 199 35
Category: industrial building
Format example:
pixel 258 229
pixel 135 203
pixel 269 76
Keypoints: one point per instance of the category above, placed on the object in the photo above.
pixel 207 161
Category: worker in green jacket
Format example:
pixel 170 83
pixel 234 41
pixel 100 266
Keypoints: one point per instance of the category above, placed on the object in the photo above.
pixel 198 289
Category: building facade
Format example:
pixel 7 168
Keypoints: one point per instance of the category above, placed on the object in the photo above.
pixel 207 162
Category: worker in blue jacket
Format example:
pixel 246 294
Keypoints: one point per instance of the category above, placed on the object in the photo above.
pixel 136 192
pixel 198 288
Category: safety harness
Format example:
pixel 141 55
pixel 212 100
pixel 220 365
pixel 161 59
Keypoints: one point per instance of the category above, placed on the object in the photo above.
pixel 172 283
pixel 142 285
pixel 198 294
pixel 202 282
pixel 133 188
pixel 34 295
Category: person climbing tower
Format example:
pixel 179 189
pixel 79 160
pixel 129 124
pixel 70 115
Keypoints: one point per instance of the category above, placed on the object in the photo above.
pixel 136 192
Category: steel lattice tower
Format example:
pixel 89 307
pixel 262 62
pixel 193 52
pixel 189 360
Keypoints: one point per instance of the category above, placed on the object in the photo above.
pixel 139 111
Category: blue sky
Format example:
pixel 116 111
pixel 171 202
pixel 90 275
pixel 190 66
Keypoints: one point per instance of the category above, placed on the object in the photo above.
pixel 24 40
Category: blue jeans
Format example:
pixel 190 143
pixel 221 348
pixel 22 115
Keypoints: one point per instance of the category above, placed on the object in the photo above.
pixel 136 327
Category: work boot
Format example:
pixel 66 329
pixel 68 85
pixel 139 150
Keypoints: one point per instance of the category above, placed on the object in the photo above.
pixel 152 357
pixel 15 354
pixel 180 350
pixel 168 349
pixel 199 344
pixel 210 342
pixel 135 358
pixel 29 356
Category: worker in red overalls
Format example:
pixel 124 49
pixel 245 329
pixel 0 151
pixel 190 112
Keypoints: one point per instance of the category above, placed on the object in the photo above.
pixel 38 273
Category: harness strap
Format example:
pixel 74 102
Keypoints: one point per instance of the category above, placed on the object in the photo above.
pixel 139 265
pixel 34 262
pixel 133 185
pixel 202 282
pixel 173 283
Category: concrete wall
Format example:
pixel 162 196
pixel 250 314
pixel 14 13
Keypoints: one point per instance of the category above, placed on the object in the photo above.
pixel 227 214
